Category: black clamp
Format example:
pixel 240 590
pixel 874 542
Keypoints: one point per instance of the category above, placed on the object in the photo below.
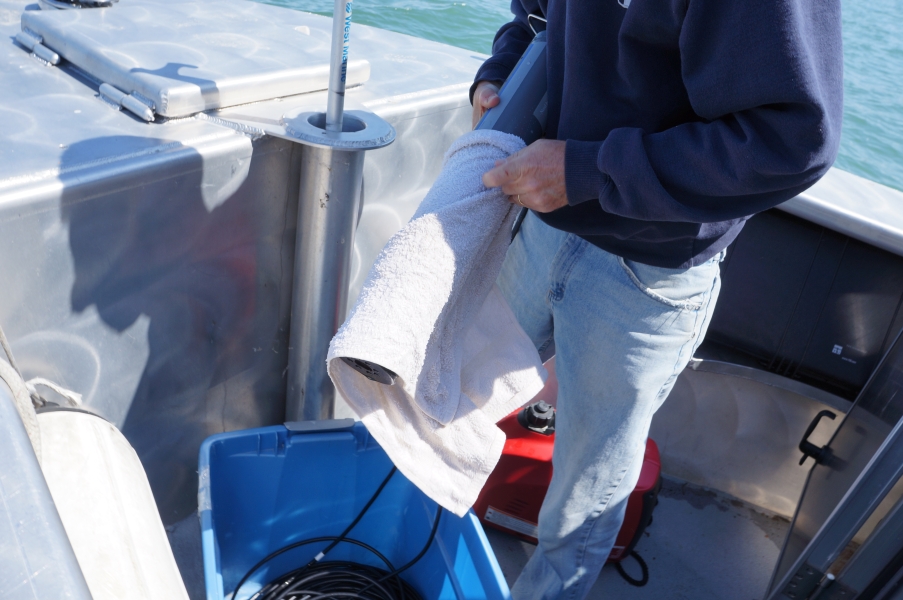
pixel 808 448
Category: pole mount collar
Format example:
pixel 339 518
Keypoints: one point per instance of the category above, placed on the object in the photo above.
pixel 361 130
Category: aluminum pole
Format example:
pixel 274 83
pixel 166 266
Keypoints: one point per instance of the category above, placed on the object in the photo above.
pixel 332 165
pixel 338 64
pixel 327 214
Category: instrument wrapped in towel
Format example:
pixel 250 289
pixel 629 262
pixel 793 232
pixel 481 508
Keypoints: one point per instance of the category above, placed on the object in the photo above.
pixel 431 356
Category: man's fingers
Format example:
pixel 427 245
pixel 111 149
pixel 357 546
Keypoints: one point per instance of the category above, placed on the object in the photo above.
pixel 533 177
pixel 488 96
pixel 489 100
pixel 484 98
pixel 524 199
pixel 505 172
pixel 486 101
pixel 496 176
pixel 516 187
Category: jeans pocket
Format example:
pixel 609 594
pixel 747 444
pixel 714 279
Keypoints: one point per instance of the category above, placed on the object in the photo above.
pixel 672 287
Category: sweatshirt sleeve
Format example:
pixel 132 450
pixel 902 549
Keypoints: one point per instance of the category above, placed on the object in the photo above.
pixel 509 44
pixel 766 80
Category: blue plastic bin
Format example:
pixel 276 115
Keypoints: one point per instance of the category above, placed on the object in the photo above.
pixel 262 489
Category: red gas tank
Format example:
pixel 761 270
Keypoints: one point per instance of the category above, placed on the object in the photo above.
pixel 514 492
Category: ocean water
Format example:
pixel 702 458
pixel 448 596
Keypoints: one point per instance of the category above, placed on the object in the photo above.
pixel 872 140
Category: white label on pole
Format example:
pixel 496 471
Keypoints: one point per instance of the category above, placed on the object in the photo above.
pixel 346 37
pixel 494 515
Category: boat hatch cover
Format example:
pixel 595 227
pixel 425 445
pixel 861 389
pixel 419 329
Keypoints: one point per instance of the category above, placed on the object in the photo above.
pixel 179 59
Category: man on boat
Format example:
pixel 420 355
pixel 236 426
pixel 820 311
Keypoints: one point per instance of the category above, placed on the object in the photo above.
pixel 670 122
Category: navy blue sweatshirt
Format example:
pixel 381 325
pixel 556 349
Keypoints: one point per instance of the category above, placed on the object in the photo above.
pixel 682 117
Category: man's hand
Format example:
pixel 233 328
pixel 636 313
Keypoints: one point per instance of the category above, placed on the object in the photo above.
pixel 485 97
pixel 533 177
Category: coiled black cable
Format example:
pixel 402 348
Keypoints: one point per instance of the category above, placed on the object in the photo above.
pixel 644 569
pixel 340 579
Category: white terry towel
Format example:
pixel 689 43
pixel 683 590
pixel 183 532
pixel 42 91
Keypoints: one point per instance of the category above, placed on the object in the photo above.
pixel 430 312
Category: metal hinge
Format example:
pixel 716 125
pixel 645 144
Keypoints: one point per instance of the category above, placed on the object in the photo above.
pixel 130 102
pixel 34 43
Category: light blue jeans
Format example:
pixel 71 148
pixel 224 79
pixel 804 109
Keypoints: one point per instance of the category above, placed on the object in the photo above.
pixel 623 332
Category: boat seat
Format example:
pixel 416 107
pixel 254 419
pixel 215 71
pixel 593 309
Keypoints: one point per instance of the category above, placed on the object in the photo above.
pixel 108 511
